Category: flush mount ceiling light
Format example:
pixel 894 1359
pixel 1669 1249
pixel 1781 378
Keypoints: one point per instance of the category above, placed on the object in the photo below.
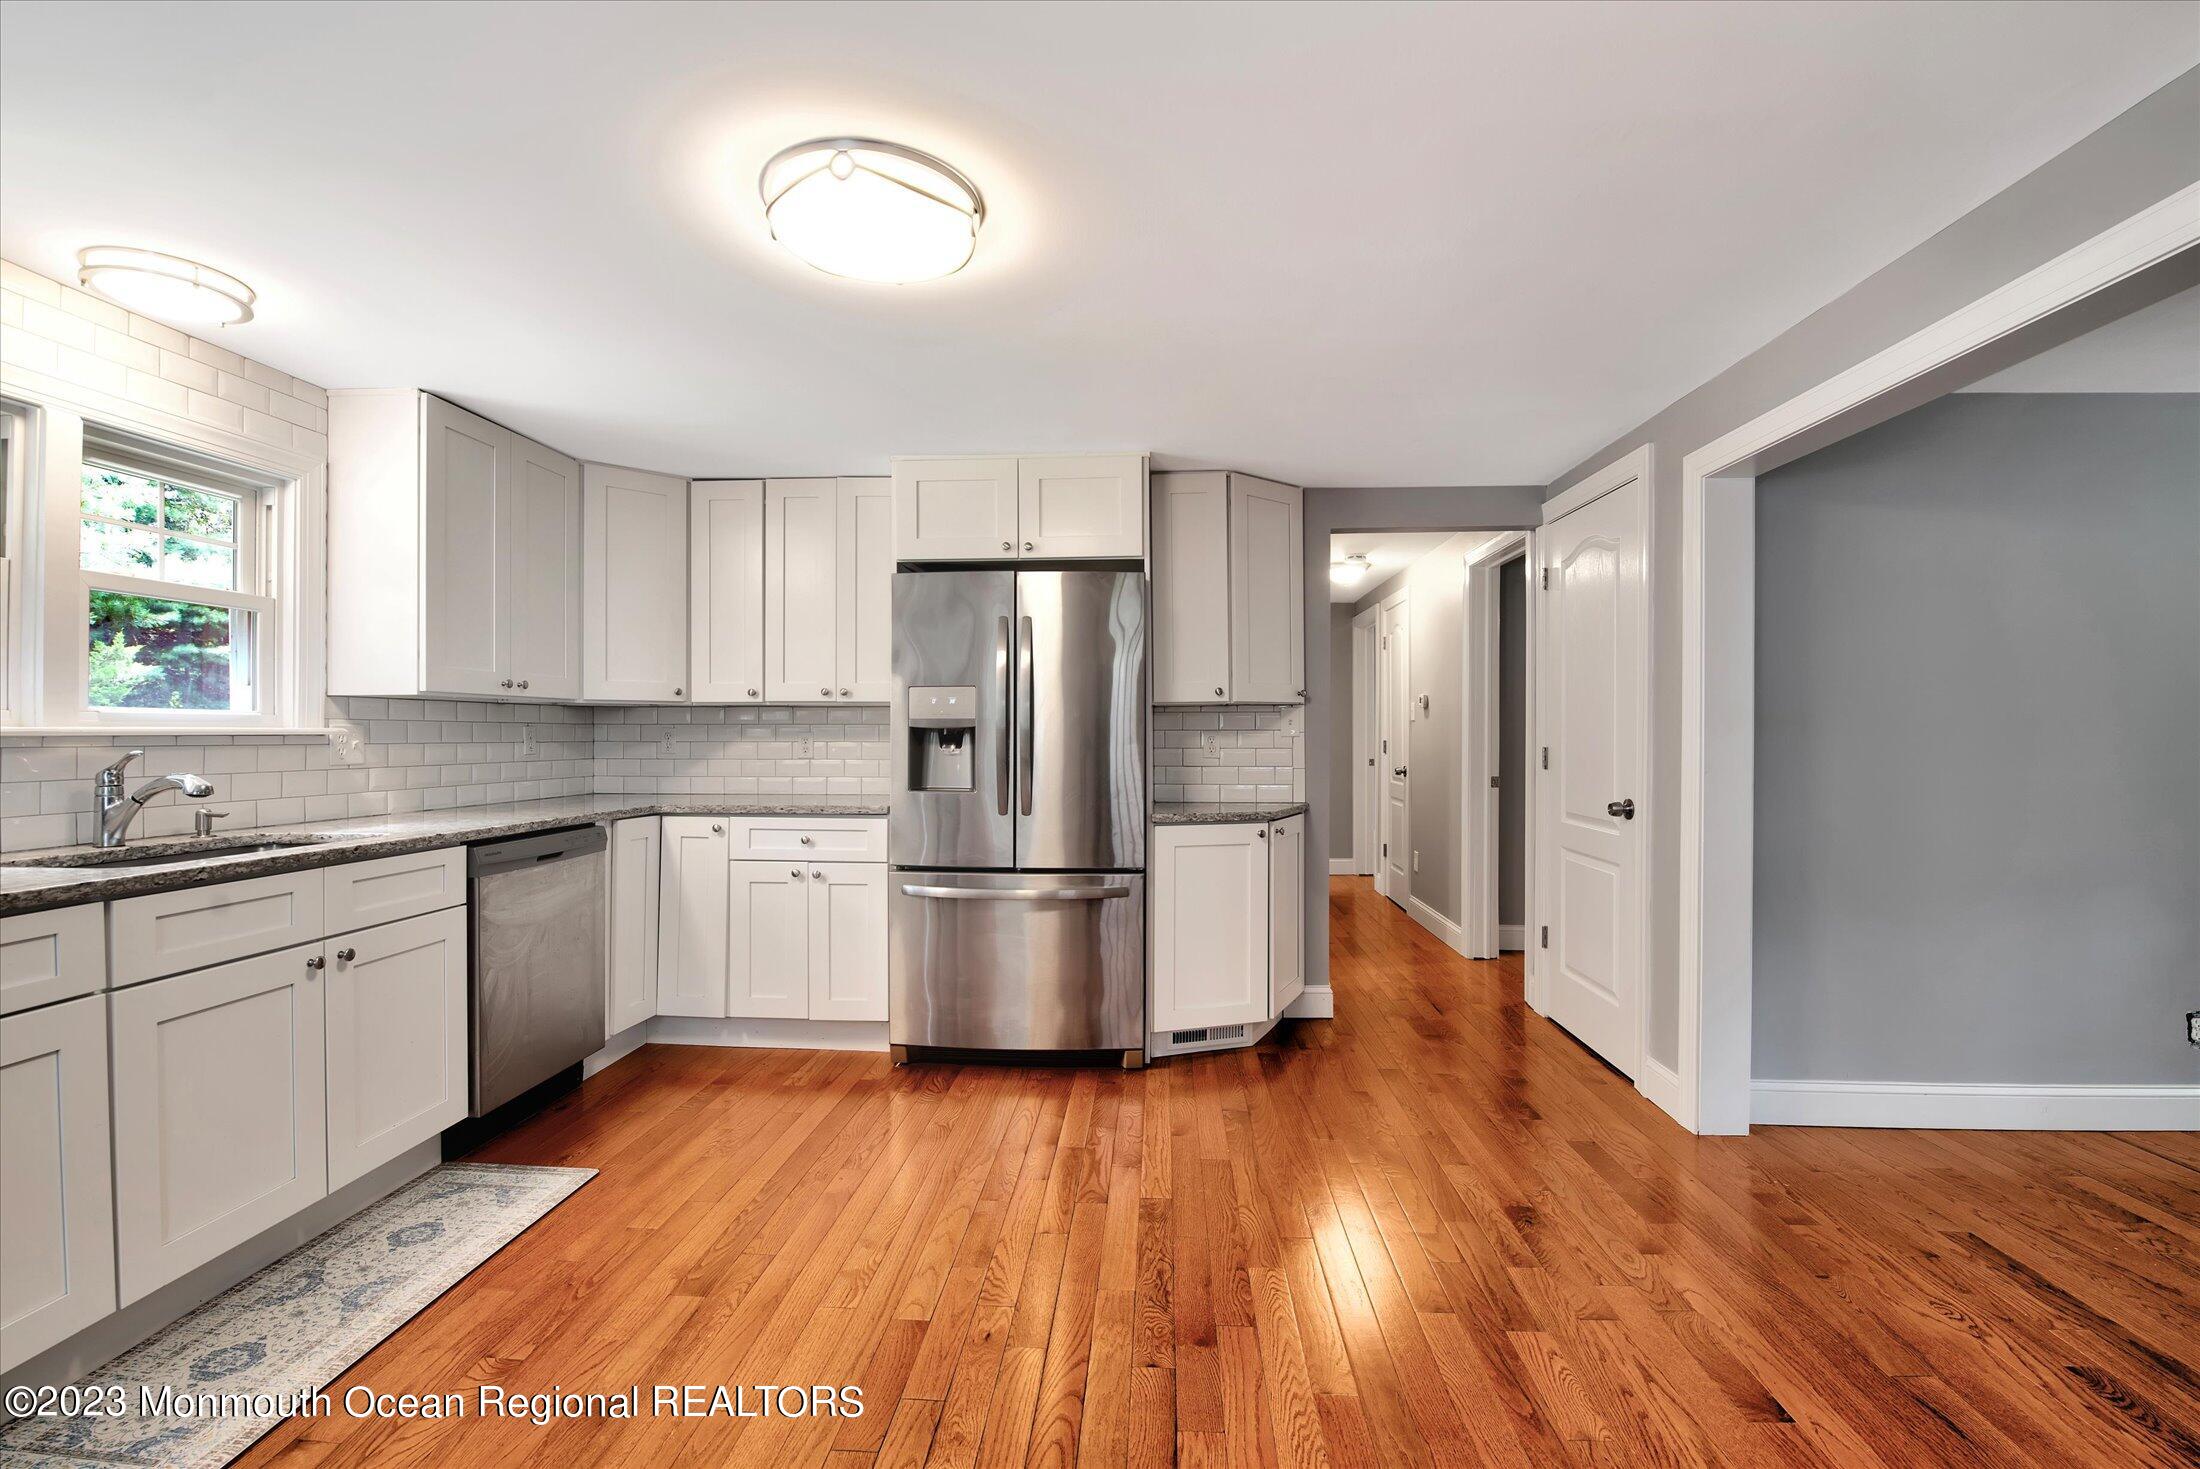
pixel 1347 573
pixel 165 287
pixel 871 211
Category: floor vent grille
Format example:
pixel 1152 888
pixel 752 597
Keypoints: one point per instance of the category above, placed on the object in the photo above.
pixel 1206 1033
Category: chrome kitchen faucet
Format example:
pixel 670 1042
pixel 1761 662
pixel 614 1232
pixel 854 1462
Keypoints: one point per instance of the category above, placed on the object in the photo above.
pixel 117 811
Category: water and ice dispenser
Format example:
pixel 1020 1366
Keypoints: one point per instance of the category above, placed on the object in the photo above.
pixel 943 722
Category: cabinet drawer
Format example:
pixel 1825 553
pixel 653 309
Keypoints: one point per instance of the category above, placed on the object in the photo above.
pixel 815 839
pixel 360 894
pixel 55 955
pixel 167 933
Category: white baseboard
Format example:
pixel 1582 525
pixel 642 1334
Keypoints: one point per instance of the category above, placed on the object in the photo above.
pixel 1512 936
pixel 616 1049
pixel 1343 867
pixel 795 1035
pixel 1317 1002
pixel 1438 924
pixel 2010 1106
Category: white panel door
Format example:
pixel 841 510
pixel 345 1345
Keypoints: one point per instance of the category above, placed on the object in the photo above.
pixel 1594 625
pixel 726 591
pixel 220 1111
pixel 801 590
pixel 1081 505
pixel 955 509
pixel 1267 584
pixel 769 975
pixel 57 1221
pixel 847 941
pixel 691 917
pixel 466 630
pixel 631 974
pixel 1396 678
pixel 545 607
pixel 634 629
pixel 396 1024
pixel 1210 926
pixel 1286 911
pixel 1191 588
pixel 866 622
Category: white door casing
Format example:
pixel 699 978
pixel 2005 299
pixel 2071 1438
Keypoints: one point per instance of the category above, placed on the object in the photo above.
pixel 1593 683
pixel 1367 820
pixel 1393 868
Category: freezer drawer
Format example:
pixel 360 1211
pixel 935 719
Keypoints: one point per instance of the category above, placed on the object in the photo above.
pixel 1018 961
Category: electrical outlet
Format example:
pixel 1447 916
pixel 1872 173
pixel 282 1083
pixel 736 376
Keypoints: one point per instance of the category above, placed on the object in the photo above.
pixel 668 744
pixel 529 746
pixel 345 747
pixel 804 747
pixel 1211 742
pixel 2192 1026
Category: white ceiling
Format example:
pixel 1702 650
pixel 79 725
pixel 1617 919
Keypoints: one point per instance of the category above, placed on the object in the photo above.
pixel 1387 552
pixel 1344 244
pixel 2153 350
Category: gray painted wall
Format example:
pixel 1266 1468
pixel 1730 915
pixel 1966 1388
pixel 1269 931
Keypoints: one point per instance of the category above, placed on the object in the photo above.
pixel 2142 157
pixel 1340 729
pixel 1512 735
pixel 1978 712
pixel 1435 614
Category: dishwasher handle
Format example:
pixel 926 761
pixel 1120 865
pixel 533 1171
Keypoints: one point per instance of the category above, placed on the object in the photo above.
pixel 541 846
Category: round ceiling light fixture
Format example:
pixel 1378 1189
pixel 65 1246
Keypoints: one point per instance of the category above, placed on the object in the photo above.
pixel 871 211
pixel 164 287
pixel 1347 573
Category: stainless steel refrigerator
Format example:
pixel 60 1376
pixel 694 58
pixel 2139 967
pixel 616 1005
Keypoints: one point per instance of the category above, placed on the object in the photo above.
pixel 1018 829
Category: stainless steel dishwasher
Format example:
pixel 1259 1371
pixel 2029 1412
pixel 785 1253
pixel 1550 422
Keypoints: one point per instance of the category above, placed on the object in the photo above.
pixel 538 959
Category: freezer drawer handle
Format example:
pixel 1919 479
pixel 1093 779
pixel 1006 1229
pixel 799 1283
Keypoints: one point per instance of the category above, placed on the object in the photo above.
pixel 1023 895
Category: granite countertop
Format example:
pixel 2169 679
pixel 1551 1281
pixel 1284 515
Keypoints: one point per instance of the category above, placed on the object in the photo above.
pixel 1222 813
pixel 31 886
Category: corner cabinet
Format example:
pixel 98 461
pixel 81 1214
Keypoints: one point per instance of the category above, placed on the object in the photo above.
pixel 1010 508
pixel 630 975
pixel 634 591
pixel 1238 638
pixel 1229 929
pixel 454 554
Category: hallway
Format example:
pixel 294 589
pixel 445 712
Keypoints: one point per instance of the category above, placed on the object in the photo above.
pixel 1432 1231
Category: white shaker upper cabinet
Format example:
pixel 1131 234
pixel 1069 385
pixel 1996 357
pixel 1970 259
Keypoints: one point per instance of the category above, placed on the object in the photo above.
pixel 726 591
pixel 955 509
pixel 866 621
pixel 1081 505
pixel 1191 587
pixel 634 558
pixel 466 643
pixel 801 590
pixel 545 570
pixel 1267 590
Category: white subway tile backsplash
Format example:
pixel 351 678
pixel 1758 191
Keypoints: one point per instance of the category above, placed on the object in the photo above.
pixel 1258 754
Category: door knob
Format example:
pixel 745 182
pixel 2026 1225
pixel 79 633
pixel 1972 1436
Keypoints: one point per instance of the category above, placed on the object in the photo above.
pixel 676 693
pixel 345 956
pixel 1262 833
pixel 1007 546
pixel 804 840
pixel 1399 771
pixel 1028 546
pixel 523 683
pixel 752 693
pixel 1218 691
pixel 717 830
pixel 1624 810
pixel 844 693
pixel 313 965
pixel 828 693
pixel 817 874
pixel 795 872
pixel 507 683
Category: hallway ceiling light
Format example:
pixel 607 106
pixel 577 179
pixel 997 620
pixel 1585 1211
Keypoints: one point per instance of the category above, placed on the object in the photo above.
pixel 871 211
pixel 1348 572
pixel 165 287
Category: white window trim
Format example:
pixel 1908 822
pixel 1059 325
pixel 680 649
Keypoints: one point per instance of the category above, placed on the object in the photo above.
pixel 52 586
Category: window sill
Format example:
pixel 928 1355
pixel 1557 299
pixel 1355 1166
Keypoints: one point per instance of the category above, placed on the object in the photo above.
pixel 180 732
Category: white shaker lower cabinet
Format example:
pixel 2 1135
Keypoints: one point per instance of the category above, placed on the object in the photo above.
pixel 847 941
pixel 768 976
pixel 220 1111
pixel 396 1026
pixel 1286 911
pixel 631 974
pixel 1210 926
pixel 691 917
pixel 57 1223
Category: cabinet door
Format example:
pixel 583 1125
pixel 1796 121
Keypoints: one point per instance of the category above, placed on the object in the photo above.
pixel 1210 926
pixel 1286 911
pixel 847 941
pixel 801 590
pixel 726 591
pixel 465 632
pixel 1191 588
pixel 1267 576
pixel 396 1010
pixel 220 1111
pixel 866 621
pixel 1081 505
pixel 632 970
pixel 545 605
pixel 955 509
pixel 57 1222
pixel 770 971
pixel 691 918
pixel 634 592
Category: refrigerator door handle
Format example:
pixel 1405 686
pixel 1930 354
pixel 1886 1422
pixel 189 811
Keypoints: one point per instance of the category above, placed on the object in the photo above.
pixel 1016 895
pixel 1000 746
pixel 1026 713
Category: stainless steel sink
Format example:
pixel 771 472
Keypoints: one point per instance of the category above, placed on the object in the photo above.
pixel 165 854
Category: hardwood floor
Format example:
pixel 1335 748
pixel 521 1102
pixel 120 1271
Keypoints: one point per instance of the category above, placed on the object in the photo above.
pixel 1433 1231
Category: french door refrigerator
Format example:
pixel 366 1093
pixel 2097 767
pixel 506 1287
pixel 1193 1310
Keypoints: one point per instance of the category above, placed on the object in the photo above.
pixel 1018 827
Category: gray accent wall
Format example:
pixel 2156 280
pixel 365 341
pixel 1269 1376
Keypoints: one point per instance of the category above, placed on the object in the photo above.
pixel 1340 730
pixel 1512 737
pixel 2140 158
pixel 1978 746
